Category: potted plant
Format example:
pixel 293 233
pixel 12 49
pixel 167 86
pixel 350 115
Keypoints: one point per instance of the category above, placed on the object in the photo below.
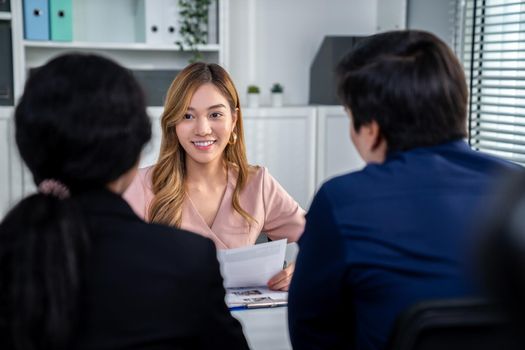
pixel 253 96
pixel 277 95
pixel 193 26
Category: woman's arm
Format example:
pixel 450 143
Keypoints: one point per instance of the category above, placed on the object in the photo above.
pixel 284 218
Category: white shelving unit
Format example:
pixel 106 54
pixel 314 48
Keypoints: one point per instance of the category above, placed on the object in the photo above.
pixel 11 186
pixel 109 28
pixel 102 27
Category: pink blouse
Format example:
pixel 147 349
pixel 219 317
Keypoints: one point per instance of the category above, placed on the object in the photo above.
pixel 276 212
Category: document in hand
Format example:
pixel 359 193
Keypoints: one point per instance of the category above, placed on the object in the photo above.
pixel 246 272
pixel 251 266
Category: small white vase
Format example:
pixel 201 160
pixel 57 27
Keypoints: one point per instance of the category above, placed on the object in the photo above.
pixel 253 100
pixel 277 99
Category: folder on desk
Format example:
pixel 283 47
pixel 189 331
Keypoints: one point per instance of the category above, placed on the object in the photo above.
pixel 254 298
pixel 36 19
pixel 61 20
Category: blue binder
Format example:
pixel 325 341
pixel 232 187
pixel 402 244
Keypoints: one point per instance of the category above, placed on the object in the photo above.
pixel 61 20
pixel 36 20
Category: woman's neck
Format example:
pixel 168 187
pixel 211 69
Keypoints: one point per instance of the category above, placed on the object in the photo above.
pixel 212 175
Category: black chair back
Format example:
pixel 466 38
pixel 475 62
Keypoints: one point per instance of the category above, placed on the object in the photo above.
pixel 454 324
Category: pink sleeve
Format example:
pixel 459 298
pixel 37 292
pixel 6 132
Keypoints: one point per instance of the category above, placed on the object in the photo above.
pixel 284 218
pixel 138 194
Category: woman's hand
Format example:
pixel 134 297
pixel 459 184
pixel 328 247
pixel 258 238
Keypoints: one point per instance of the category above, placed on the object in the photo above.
pixel 281 281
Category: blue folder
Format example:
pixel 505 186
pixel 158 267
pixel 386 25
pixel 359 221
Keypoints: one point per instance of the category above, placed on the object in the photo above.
pixel 36 20
pixel 61 20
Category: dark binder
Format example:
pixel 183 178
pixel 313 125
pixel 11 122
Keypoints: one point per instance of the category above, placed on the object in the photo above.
pixel 5 6
pixel 155 84
pixel 6 65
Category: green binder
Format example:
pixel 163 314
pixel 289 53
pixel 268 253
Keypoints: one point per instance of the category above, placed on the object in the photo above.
pixel 61 20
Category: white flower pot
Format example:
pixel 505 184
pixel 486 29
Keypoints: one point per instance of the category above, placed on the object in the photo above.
pixel 277 99
pixel 253 100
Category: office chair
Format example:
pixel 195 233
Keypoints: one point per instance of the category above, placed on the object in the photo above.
pixel 501 250
pixel 453 324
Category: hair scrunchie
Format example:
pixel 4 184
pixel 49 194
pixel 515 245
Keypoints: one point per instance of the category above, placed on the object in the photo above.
pixel 54 188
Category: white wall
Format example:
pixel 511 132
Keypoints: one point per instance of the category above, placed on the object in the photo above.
pixel 276 40
pixel 431 15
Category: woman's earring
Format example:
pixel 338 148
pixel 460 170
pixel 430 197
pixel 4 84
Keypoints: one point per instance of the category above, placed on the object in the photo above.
pixel 233 138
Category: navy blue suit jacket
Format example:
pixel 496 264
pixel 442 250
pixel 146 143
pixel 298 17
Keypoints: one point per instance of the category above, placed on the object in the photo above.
pixel 380 239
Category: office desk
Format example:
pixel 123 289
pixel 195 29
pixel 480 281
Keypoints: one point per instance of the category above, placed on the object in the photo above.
pixel 265 328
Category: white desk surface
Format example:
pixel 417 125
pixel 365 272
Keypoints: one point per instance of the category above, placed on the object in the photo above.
pixel 265 328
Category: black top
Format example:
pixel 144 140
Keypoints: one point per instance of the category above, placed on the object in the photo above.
pixel 150 286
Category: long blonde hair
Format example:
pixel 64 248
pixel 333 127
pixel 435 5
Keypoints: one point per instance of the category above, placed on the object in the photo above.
pixel 169 174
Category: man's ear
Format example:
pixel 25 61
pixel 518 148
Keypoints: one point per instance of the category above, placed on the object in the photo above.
pixel 375 135
pixel 372 133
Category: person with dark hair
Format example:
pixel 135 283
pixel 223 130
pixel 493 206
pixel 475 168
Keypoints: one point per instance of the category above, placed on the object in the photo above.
pixel 381 239
pixel 78 269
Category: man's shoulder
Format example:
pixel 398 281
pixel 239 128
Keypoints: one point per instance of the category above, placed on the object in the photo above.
pixel 354 181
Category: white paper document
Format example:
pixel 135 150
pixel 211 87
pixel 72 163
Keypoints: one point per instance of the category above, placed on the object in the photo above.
pixel 252 266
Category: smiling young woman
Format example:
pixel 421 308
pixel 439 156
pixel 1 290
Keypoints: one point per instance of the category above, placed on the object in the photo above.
pixel 202 181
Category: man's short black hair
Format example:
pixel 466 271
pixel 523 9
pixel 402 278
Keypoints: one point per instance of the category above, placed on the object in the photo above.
pixel 409 82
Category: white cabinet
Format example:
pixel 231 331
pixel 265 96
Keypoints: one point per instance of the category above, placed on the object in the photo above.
pixel 5 181
pixel 12 182
pixel 283 140
pixel 336 153
pixel 301 146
